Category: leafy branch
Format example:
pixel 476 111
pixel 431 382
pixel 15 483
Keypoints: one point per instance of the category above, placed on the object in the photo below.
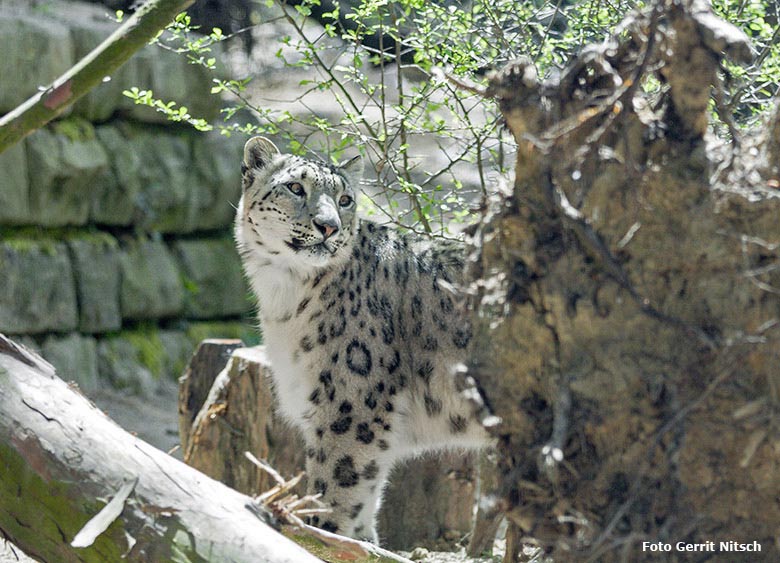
pixel 435 146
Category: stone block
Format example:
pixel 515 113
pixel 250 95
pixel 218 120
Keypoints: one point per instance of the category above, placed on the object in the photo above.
pixel 39 45
pixel 151 286
pixel 90 25
pixel 217 162
pixel 115 192
pixel 176 182
pixel 168 180
pixel 178 351
pixel 38 292
pixel 14 196
pixel 95 259
pixel 142 359
pixel 62 165
pixel 129 360
pixel 36 50
pixel 75 358
pixel 172 78
pixel 213 280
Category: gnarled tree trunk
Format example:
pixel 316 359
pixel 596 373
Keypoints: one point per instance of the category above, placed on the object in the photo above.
pixel 625 303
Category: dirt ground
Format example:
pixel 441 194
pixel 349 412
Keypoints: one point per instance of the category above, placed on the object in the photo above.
pixel 153 419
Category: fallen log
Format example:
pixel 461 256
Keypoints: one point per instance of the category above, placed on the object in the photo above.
pixel 62 460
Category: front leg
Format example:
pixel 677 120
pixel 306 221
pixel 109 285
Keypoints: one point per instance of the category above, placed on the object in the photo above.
pixel 350 480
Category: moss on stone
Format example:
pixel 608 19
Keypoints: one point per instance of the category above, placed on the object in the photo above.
pixel 37 293
pixel 92 236
pixel 243 330
pixel 178 351
pixel 150 350
pixel 41 244
pixel 191 287
pixel 31 237
pixel 75 129
pixel 151 287
pixel 211 272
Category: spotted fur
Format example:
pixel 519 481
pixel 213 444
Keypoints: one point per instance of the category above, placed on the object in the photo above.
pixel 361 327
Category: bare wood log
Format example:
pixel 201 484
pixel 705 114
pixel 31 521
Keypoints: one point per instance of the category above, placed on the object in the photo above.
pixel 428 501
pixel 62 457
pixel 131 36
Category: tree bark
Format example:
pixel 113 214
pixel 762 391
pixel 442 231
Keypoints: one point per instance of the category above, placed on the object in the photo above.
pixel 772 148
pixel 236 416
pixel 132 35
pixel 206 363
pixel 488 517
pixel 63 459
pixel 625 302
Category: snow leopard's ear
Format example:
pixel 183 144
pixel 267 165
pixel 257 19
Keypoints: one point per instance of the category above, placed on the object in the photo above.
pixel 353 170
pixel 258 152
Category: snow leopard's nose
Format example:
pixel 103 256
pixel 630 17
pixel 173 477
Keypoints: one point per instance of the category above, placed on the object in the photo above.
pixel 327 220
pixel 328 226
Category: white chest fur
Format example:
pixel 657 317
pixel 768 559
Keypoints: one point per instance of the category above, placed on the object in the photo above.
pixel 279 293
pixel 291 379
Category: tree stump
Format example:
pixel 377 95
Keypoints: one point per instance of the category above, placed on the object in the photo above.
pixel 235 416
pixel 209 359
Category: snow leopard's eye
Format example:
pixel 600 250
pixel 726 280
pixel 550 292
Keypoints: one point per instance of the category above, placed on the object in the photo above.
pixel 345 201
pixel 296 188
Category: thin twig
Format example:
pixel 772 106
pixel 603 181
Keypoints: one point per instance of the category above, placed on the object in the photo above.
pixel 265 467
pixel 460 82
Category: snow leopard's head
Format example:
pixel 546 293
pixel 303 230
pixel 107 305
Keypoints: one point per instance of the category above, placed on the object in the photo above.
pixel 296 211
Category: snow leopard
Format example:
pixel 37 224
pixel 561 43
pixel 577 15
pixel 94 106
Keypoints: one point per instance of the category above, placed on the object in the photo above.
pixel 361 325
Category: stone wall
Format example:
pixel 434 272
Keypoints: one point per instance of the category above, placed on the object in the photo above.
pixel 116 256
